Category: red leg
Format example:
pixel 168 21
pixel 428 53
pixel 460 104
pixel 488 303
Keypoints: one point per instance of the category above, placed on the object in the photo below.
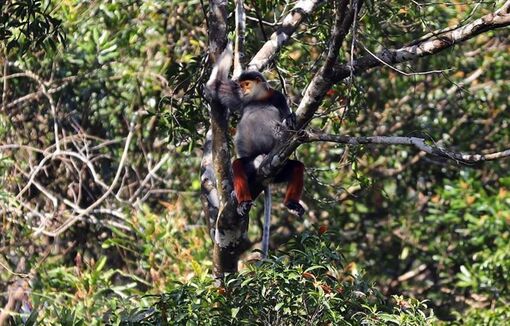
pixel 241 187
pixel 295 185
pixel 294 174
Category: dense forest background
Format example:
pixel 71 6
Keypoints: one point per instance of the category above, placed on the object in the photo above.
pixel 102 123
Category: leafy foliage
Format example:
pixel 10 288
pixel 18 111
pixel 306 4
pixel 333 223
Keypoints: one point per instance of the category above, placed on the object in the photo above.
pixel 28 25
pixel 306 285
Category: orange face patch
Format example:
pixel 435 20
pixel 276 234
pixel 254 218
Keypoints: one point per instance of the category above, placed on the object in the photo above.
pixel 246 86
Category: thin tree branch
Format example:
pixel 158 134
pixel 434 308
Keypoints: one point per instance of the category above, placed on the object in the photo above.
pixel 149 176
pixel 440 42
pixel 44 91
pixel 263 31
pixel 428 72
pixel 419 143
pixel 67 224
pixel 5 83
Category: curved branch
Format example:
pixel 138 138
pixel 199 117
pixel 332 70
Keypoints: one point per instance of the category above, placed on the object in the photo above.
pixel 344 16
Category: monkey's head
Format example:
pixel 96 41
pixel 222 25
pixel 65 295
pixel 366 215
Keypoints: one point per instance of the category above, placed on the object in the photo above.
pixel 253 85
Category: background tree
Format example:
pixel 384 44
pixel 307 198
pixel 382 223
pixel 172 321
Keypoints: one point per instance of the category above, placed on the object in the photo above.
pixel 101 143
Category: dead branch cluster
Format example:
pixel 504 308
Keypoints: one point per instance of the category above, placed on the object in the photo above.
pixel 60 173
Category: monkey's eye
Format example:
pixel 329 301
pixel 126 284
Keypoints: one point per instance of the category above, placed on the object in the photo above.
pixel 244 85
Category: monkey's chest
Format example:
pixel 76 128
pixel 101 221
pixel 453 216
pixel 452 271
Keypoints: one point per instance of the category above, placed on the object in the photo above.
pixel 257 132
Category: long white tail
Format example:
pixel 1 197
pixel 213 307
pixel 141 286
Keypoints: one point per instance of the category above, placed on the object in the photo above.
pixel 222 66
pixel 266 231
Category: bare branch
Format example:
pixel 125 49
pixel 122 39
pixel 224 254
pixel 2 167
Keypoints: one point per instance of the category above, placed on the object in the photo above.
pixel 43 90
pixel 275 160
pixel 279 38
pixel 77 157
pixel 239 40
pixel 419 143
pixel 5 84
pixel 54 156
pixel 149 175
pixel 412 273
pixel 428 72
pixel 37 94
pixel 123 158
pixel 440 42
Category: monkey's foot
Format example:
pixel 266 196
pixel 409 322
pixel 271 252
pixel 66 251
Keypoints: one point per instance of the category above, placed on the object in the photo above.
pixel 295 208
pixel 244 207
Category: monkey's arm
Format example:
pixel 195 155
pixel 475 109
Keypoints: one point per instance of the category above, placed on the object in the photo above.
pixel 287 117
pixel 219 87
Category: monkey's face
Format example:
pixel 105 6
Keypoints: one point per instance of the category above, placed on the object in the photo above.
pixel 247 86
pixel 252 89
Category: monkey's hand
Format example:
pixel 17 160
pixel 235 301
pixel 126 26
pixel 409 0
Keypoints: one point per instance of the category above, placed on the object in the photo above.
pixel 290 121
pixel 295 208
pixel 243 208
pixel 226 92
